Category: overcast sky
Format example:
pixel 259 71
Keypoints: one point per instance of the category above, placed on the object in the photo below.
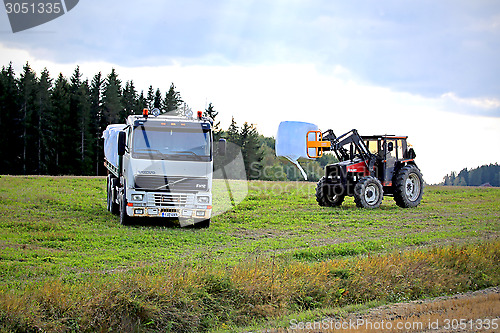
pixel 428 69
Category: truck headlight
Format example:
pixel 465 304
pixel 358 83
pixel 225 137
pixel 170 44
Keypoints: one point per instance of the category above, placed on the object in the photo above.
pixel 203 199
pixel 137 197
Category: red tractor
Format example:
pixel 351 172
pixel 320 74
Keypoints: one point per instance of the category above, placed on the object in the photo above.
pixel 369 167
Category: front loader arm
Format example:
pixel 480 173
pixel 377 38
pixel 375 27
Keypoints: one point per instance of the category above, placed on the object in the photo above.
pixel 337 145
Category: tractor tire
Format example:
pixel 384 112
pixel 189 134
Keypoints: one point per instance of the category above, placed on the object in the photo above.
pixel 408 187
pixel 368 193
pixel 113 207
pixel 324 198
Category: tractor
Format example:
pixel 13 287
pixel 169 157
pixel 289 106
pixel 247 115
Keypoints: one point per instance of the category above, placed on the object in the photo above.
pixel 369 167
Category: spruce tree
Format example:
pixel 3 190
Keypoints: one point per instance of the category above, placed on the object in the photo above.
pixel 74 127
pixel 60 103
pixel 172 100
pixel 112 98
pixel 158 101
pixel 252 155
pixel 46 122
pixel 27 89
pixel 97 123
pixel 210 112
pixel 150 99
pixel 85 129
pixel 129 101
pixel 141 103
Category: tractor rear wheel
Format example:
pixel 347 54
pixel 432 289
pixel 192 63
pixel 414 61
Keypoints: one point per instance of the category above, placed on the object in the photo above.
pixel 408 187
pixel 324 197
pixel 368 193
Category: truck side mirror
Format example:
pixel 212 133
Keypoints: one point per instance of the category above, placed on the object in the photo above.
pixel 222 147
pixel 390 146
pixel 121 143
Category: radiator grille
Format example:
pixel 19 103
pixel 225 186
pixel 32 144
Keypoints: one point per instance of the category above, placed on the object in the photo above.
pixel 171 184
pixel 166 200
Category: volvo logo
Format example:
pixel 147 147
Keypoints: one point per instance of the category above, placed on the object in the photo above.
pixel 146 172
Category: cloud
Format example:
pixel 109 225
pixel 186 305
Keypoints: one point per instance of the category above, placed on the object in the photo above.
pixel 483 106
pixel 425 47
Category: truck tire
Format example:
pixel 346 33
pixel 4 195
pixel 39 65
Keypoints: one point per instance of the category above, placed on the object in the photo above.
pixel 109 199
pixel 113 207
pixel 368 193
pixel 124 218
pixel 324 198
pixel 408 187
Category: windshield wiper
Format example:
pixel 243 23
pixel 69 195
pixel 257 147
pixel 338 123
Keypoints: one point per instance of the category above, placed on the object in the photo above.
pixel 187 152
pixel 151 150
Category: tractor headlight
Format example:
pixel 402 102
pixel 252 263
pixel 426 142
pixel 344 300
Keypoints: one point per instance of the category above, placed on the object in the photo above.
pixel 137 197
pixel 203 200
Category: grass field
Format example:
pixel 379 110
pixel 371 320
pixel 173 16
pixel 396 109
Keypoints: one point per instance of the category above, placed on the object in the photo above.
pixel 67 264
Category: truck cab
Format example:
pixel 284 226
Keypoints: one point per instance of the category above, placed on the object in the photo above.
pixel 160 167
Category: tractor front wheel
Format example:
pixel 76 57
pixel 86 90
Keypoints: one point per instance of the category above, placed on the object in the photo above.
pixel 325 197
pixel 408 187
pixel 368 193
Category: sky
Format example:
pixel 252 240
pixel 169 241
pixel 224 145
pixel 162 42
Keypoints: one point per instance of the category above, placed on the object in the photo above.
pixel 426 69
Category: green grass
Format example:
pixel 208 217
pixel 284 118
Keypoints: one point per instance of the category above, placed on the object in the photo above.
pixel 58 229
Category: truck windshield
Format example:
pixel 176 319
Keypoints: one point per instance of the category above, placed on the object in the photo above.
pixel 171 144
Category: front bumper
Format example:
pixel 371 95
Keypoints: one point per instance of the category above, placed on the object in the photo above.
pixel 170 205
pixel 142 211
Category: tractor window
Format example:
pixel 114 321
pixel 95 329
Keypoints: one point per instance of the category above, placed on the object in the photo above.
pixel 399 149
pixel 372 146
pixel 390 149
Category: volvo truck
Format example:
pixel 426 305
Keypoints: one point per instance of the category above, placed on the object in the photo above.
pixel 161 166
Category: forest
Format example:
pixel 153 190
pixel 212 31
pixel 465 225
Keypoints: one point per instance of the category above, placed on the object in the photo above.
pixel 53 126
pixel 486 175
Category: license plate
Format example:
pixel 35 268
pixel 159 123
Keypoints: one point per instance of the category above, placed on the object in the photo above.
pixel 169 214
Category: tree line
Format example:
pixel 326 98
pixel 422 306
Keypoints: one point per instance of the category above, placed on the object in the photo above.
pixel 54 126
pixel 483 175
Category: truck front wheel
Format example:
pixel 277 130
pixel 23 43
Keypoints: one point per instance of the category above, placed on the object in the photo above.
pixel 124 218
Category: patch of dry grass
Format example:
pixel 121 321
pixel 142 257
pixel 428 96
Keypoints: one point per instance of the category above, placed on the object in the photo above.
pixel 187 298
pixel 470 312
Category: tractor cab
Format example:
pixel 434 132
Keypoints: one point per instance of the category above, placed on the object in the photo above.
pixel 391 153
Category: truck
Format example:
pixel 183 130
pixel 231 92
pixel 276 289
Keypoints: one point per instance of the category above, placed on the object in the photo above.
pixel 161 166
